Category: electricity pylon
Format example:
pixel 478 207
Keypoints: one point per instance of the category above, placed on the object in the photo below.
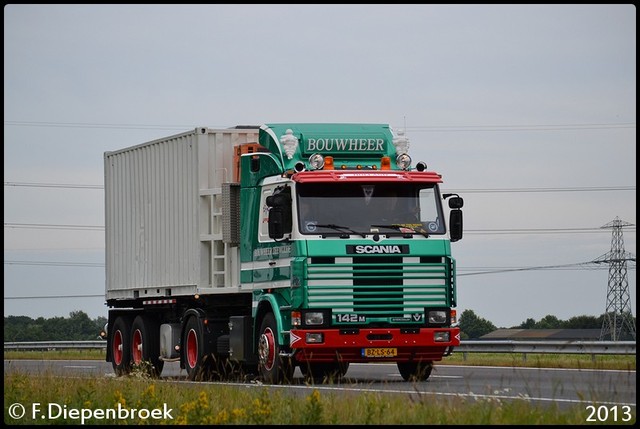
pixel 618 323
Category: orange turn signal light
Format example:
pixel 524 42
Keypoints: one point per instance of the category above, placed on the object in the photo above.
pixel 385 163
pixel 328 163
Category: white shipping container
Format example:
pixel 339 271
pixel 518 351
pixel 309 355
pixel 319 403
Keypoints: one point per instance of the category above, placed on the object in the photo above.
pixel 163 215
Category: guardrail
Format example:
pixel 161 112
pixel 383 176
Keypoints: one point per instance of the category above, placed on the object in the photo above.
pixel 55 345
pixel 592 348
pixel 468 346
pixel 548 346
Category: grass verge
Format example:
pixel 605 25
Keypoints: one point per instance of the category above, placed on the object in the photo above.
pixel 49 399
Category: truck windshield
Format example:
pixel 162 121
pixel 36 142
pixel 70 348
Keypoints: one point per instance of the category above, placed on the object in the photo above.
pixel 363 208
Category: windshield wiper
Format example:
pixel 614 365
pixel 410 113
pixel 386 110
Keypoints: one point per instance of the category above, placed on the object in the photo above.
pixel 400 227
pixel 340 228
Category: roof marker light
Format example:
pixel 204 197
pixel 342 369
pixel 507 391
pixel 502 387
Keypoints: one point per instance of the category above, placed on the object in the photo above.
pixel 328 163
pixel 385 163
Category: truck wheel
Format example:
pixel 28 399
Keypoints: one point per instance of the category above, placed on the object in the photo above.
pixel 415 371
pixel 120 346
pixel 324 371
pixel 145 345
pixel 193 350
pixel 273 368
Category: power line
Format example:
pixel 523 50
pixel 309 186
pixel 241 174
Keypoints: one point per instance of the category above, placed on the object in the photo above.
pixel 534 231
pixel 573 189
pixel 591 265
pixel 496 270
pixel 417 128
pixel 501 231
pixel 54 226
pixel 488 270
pixel 547 127
pixel 581 266
pixel 526 125
pixel 102 265
pixel 89 125
pixel 469 231
pixel 594 265
pixel 54 296
pixel 495 190
pixel 57 264
pixel 53 185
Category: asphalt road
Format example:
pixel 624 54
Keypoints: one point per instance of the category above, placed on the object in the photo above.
pixel 610 388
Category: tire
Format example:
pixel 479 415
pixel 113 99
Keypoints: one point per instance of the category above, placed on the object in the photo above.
pixel 120 345
pixel 415 371
pixel 195 360
pixel 324 372
pixel 145 344
pixel 273 368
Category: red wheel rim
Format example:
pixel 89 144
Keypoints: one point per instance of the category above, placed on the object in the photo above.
pixel 117 347
pixel 137 347
pixel 192 348
pixel 267 349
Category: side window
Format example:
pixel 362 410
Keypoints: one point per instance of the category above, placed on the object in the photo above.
pixel 431 211
pixel 276 215
pixel 263 225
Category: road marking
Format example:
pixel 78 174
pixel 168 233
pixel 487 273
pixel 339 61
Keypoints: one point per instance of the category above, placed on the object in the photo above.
pixel 80 366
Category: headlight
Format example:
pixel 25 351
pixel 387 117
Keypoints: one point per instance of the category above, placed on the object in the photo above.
pixel 441 337
pixel 437 317
pixel 316 161
pixel 314 338
pixel 313 318
pixel 403 161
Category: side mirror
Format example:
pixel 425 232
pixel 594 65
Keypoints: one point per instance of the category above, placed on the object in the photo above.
pixel 456 203
pixel 278 223
pixel 455 224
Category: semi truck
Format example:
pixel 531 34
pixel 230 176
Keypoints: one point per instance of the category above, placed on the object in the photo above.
pixel 262 249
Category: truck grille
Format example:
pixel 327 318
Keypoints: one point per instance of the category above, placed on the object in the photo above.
pixel 378 286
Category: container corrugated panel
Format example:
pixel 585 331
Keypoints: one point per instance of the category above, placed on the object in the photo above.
pixel 163 210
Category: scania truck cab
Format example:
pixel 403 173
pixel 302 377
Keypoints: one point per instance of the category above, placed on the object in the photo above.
pixel 359 240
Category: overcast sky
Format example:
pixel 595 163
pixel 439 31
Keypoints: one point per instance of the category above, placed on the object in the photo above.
pixel 527 111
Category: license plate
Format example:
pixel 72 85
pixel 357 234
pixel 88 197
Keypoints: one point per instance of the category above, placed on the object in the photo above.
pixel 380 352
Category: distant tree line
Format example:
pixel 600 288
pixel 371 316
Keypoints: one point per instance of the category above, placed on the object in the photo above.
pixel 473 327
pixel 78 326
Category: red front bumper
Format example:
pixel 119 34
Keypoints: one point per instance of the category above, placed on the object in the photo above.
pixel 349 345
